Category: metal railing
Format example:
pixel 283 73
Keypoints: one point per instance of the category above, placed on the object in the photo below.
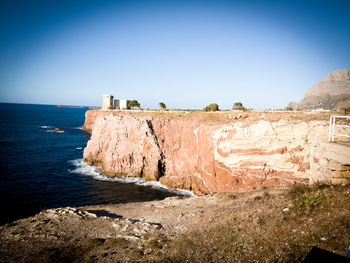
pixel 333 125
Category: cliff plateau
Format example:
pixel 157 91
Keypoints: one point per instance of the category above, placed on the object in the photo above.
pixel 208 157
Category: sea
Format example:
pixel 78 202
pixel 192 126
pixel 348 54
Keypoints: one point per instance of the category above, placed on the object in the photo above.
pixel 41 169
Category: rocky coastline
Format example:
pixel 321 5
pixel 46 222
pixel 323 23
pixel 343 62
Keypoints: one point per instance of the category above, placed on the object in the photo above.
pixel 224 155
pixel 269 224
pixel 274 220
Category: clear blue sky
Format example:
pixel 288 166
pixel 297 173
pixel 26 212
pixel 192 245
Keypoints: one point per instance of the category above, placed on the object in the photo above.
pixel 186 54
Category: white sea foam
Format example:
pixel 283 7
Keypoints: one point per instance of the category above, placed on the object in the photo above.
pixel 79 148
pixel 46 127
pixel 96 173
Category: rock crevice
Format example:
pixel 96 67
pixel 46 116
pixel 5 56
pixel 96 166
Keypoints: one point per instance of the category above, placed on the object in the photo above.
pixel 161 161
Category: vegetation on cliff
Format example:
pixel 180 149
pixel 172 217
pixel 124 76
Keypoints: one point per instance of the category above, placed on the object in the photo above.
pixel 162 105
pixel 211 107
pixel 134 103
pixel 238 106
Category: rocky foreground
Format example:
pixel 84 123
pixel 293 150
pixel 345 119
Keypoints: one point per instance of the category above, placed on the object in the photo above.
pixel 265 225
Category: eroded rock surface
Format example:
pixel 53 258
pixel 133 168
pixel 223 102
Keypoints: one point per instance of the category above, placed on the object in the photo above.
pixel 125 146
pixel 208 157
pixel 71 233
pixel 256 226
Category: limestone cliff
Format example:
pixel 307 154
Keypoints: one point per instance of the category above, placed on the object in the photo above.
pixel 333 92
pixel 208 157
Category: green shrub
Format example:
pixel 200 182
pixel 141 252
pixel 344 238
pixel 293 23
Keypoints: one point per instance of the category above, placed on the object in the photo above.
pixel 134 103
pixel 238 106
pixel 162 105
pixel 313 200
pixel 212 107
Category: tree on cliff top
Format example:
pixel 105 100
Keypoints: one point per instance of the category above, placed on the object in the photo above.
pixel 212 107
pixel 162 105
pixel 134 103
pixel 238 106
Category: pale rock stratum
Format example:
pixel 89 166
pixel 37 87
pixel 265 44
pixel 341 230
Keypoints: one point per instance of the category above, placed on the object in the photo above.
pixel 208 157
pixel 333 92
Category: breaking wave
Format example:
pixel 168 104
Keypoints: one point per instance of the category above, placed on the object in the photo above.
pixel 95 172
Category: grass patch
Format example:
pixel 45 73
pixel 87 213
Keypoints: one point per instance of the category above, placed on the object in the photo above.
pixel 314 200
pixel 312 238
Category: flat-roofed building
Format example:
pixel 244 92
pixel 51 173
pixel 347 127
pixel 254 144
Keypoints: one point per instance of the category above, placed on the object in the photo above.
pixel 121 104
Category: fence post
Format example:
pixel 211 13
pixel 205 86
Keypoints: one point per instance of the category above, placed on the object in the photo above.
pixel 330 128
pixel 333 130
pixel 332 125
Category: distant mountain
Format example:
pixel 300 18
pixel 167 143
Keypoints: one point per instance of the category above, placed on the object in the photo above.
pixel 333 92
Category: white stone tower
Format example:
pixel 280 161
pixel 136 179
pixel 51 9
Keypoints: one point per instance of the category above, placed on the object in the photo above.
pixel 107 102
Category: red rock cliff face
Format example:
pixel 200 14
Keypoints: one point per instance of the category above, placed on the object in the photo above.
pixel 125 150
pixel 92 115
pixel 205 157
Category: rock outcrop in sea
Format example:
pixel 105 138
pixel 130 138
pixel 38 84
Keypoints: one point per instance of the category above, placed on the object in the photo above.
pixel 333 92
pixel 208 157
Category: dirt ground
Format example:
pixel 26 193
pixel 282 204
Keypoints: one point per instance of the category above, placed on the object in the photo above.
pixel 265 225
pixel 233 115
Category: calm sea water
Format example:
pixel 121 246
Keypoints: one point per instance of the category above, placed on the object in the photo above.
pixel 42 169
